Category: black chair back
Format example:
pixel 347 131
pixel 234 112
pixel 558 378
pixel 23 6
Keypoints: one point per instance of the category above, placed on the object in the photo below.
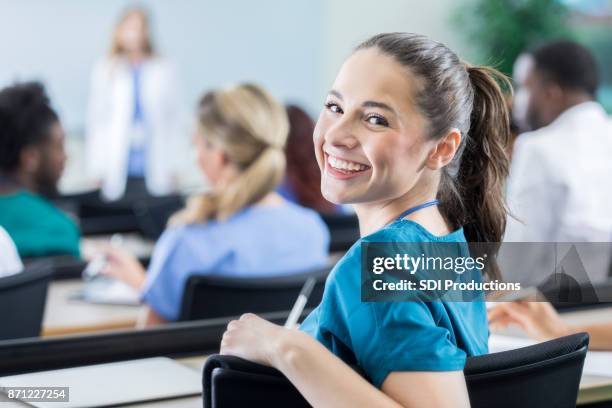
pixel 343 231
pixel 209 296
pixel 22 301
pixel 64 267
pixel 544 375
pixel 152 216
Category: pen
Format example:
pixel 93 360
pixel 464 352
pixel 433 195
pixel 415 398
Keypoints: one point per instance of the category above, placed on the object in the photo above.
pixel 300 303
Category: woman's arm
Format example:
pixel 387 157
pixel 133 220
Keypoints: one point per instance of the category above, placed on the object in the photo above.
pixel 325 381
pixel 149 318
pixel 542 322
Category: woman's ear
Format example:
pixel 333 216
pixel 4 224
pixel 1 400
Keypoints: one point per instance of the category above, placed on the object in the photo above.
pixel 444 150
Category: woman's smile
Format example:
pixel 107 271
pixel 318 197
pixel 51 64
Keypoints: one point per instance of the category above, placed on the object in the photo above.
pixel 343 169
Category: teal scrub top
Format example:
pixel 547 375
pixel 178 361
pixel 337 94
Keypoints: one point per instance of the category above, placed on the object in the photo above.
pixel 37 227
pixel 383 337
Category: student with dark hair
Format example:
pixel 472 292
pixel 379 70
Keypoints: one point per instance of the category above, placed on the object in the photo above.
pixel 32 160
pixel 555 191
pixel 414 138
pixel 302 183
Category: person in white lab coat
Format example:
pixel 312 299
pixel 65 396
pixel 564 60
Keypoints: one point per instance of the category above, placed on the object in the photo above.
pixel 133 133
pixel 558 189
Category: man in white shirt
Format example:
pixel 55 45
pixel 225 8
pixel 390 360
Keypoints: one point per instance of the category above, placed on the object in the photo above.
pixel 559 186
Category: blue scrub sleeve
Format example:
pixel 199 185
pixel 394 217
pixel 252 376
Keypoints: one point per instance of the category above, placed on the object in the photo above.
pixel 178 254
pixel 163 288
pixel 393 336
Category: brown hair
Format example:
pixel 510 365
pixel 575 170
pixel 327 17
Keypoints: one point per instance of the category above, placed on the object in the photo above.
pixel 116 49
pixel 251 128
pixel 303 175
pixel 458 95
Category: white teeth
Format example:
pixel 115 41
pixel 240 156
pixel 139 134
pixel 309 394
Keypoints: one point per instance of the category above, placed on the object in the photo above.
pixel 345 165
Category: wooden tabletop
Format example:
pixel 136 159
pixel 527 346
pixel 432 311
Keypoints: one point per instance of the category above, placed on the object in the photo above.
pixel 66 315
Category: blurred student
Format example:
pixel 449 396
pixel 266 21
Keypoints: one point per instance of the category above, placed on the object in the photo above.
pixel 555 188
pixel 242 228
pixel 10 263
pixel 406 122
pixel 32 160
pixel 302 183
pixel 542 322
pixel 133 133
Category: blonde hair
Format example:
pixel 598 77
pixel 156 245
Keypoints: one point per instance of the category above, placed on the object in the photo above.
pixel 116 49
pixel 251 127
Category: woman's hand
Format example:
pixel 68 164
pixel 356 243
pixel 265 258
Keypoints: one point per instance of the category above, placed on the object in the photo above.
pixel 254 339
pixel 123 266
pixel 539 319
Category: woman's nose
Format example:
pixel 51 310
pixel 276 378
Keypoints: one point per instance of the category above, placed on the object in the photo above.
pixel 341 134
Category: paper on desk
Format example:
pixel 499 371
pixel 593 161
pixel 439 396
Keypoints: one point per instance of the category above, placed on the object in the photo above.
pixel 109 291
pixel 597 362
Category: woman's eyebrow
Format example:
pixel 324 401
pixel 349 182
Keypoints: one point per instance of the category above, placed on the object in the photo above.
pixel 336 94
pixel 380 105
pixel 366 104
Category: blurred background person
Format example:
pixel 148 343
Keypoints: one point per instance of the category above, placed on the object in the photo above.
pixel 241 227
pixel 32 160
pixel 541 322
pixel 10 263
pixel 302 182
pixel 133 131
pixel 555 189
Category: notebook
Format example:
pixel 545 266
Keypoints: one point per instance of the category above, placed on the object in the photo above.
pixel 114 383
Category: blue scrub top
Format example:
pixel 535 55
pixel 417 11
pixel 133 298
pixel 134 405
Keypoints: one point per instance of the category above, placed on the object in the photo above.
pixel 257 241
pixel 383 337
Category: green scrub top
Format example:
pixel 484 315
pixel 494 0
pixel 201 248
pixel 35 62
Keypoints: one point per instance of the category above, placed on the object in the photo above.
pixel 37 227
pixel 383 337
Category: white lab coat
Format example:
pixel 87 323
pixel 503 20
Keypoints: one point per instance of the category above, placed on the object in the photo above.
pixel 109 122
pixel 10 263
pixel 560 190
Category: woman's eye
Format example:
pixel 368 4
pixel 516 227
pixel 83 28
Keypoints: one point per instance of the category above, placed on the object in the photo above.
pixel 332 107
pixel 377 120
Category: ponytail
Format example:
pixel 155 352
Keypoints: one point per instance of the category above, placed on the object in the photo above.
pixel 247 188
pixel 484 164
pixel 474 199
pixel 251 128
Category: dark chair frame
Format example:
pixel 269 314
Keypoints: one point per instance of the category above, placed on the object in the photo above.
pixel 22 301
pixel 240 295
pixel 545 374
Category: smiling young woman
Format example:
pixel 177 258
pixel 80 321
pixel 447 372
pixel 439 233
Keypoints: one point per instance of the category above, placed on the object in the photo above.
pixel 414 138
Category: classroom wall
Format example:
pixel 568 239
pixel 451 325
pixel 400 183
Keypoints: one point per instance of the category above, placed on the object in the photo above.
pixel 292 47
pixel 346 23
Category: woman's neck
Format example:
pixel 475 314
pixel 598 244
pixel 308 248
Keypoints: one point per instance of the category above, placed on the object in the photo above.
pixel 272 199
pixel 135 57
pixel 374 216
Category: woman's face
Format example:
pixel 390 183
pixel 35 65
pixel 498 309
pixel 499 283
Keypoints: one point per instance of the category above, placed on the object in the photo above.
pixel 132 33
pixel 210 159
pixel 370 138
